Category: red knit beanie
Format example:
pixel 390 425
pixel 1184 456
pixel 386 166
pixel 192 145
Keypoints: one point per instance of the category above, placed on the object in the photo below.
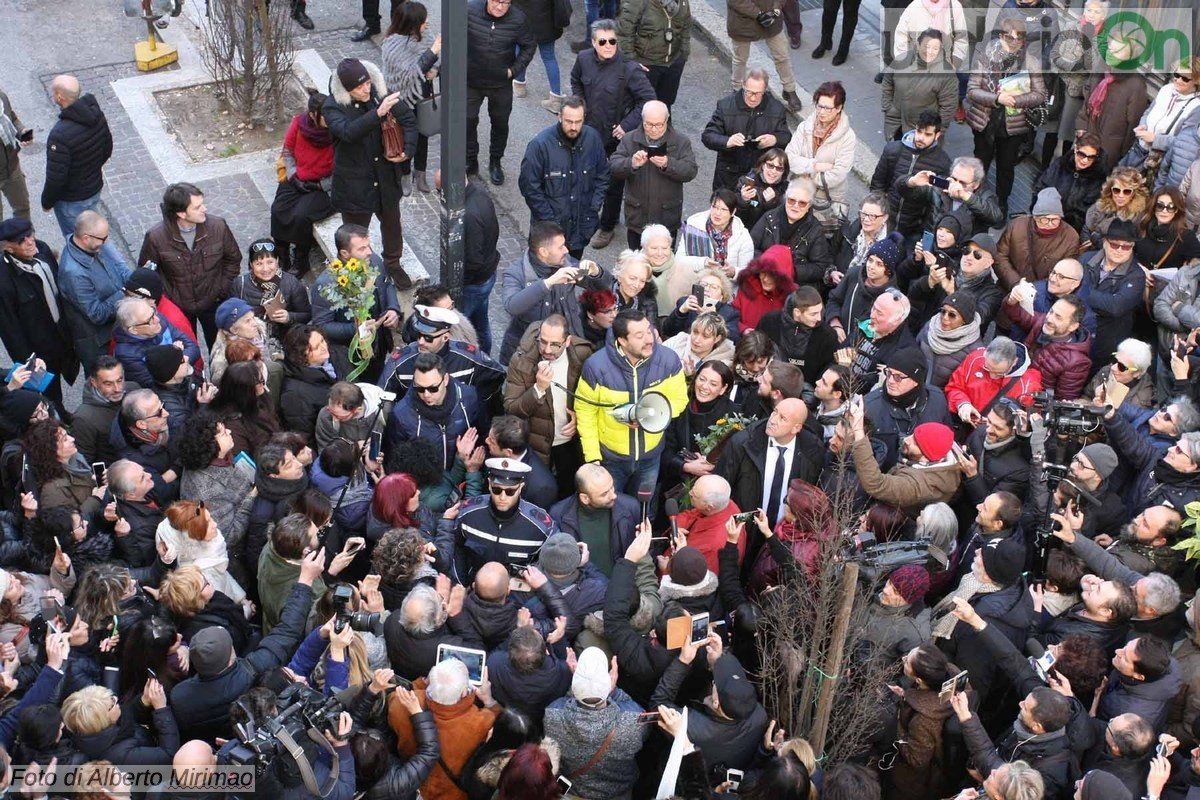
pixel 934 439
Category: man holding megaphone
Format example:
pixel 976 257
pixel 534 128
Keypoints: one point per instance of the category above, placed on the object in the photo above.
pixel 627 394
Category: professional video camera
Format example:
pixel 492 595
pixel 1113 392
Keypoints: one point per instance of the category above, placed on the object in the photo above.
pixel 876 560
pixel 302 714
pixel 1069 418
pixel 361 621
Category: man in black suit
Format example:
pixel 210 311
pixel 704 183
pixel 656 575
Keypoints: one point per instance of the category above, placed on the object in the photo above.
pixel 761 461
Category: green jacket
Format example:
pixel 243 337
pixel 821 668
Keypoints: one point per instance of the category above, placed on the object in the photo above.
pixel 642 27
pixel 276 576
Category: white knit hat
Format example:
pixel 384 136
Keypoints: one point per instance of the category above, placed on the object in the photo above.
pixel 591 681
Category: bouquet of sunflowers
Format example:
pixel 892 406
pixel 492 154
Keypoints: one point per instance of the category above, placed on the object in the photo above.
pixel 710 444
pixel 352 291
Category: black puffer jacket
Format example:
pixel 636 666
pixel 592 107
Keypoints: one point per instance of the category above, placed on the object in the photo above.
pixel 363 180
pixel 305 392
pixel 731 116
pixel 1079 188
pixel 811 254
pixel 496 45
pixel 76 149
pixel 488 623
pixel 124 743
pixel 615 91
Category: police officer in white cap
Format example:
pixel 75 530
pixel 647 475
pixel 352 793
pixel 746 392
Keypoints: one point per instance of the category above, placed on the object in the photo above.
pixel 466 362
pixel 501 526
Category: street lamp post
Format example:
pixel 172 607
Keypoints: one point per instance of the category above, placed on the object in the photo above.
pixel 454 142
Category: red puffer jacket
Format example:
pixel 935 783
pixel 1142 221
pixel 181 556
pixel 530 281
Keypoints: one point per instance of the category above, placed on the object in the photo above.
pixel 972 384
pixel 751 301
pixel 1064 365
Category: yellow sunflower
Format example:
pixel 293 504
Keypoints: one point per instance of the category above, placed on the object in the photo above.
pixel 335 265
pixel 343 281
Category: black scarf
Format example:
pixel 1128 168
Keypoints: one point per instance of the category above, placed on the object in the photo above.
pixel 275 488
pixel 907 400
pixel 1165 473
pixel 439 415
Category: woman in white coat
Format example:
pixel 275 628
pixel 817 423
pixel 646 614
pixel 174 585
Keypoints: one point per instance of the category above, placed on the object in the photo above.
pixel 717 236
pixel 190 534
pixel 823 148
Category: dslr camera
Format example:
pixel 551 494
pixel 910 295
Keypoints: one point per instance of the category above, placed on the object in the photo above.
pixel 361 621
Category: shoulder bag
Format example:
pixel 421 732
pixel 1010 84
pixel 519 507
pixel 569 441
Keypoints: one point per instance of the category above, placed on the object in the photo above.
pixel 429 116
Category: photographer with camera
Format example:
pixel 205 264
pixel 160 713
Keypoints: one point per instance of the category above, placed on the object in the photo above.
pixel 201 703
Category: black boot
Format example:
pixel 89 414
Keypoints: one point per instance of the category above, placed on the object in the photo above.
pixel 302 19
pixel 301 261
pixel 823 48
pixel 839 57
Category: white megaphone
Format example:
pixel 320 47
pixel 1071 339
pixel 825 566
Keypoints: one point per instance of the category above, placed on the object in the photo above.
pixel 652 413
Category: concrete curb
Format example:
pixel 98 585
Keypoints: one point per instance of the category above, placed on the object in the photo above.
pixel 709 25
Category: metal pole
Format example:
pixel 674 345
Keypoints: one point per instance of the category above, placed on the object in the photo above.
pixel 454 141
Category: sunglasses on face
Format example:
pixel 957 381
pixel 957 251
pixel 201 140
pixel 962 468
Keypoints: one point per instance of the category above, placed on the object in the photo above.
pixel 426 389
pixel 1119 245
pixel 430 337
pixel 973 253
pixel 798 203
pixel 949 312
pixel 507 491
pixel 1086 156
pixel 1161 206
pixel 1166 415
pixel 1184 78
pixel 1121 190
pixel 603 42
pixel 1121 367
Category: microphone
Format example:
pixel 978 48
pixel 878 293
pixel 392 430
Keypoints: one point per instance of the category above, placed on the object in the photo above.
pixel 672 506
pixel 644 496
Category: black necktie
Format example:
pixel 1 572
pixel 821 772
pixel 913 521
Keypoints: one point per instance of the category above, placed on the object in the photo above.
pixel 776 487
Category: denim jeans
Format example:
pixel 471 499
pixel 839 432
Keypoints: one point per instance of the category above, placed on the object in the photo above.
pixel 67 211
pixel 598 9
pixel 630 476
pixel 475 307
pixel 551 63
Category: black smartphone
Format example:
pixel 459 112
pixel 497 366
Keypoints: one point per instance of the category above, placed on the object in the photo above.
pixel 698 293
pixel 659 149
pixel 939 181
pixel 98 471
pixel 745 517
pixel 376 445
pixel 454 496
pixel 26 136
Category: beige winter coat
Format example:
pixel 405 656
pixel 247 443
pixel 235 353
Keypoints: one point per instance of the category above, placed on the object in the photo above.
pixel 838 149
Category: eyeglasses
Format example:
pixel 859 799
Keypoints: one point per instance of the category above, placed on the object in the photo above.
pixel 798 203
pixel 100 239
pixel 1060 276
pixel 1048 218
pixel 1121 367
pixel 754 94
pixel 719 207
pixel 1086 156
pixel 658 126
pixel 603 42
pixel 895 376
pixel 1160 206
pixel 1013 36
pixel 774 166
pixel 550 345
pixel 1166 415
pixel 147 322
pixel 826 108
pixel 868 216
pixel 949 312
pixel 1121 190
pixel 973 253
pixel 262 247
pixel 1119 245
pixel 507 491
pixel 1078 461
pixel 426 389
pixel 162 412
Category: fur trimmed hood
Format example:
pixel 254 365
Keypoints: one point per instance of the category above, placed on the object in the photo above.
pixel 670 590
pixel 489 772
pixel 341 95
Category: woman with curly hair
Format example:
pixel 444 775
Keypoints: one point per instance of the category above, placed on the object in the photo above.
pixel 1124 196
pixel 243 404
pixel 399 560
pixel 190 534
pixel 63 475
pixel 195 604
pixel 206 449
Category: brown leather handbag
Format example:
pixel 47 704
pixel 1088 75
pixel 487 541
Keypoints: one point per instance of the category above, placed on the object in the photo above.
pixel 393 138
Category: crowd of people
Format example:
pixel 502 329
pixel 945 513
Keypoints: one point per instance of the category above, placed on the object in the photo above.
pixel 475 567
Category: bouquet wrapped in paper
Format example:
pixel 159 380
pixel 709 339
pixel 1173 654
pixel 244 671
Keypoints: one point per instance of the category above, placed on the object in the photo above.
pixel 352 291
